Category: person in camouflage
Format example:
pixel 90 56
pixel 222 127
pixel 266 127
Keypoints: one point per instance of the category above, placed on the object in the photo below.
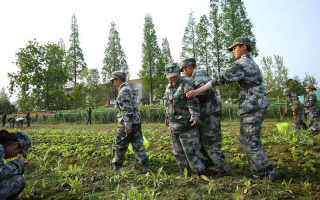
pixel 28 118
pixel 210 117
pixel 297 109
pixel 129 125
pixel 312 110
pixel 182 115
pixel 252 105
pixel 11 180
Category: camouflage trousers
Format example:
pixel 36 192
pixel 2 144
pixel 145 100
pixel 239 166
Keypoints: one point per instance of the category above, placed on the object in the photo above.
pixel 298 122
pixel 250 130
pixel 313 122
pixel 120 145
pixel 210 135
pixel 186 149
pixel 10 188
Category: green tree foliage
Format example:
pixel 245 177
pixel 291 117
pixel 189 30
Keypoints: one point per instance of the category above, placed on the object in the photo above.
pixel 78 97
pixel 161 76
pixel 235 23
pixel 5 105
pixel 309 80
pixel 218 52
pixel 151 58
pixel 275 74
pixel 3 93
pixel 189 39
pixel 74 58
pixel 41 76
pixel 95 92
pixel 268 72
pixel 295 86
pixel 61 44
pixel 114 60
pixel 203 44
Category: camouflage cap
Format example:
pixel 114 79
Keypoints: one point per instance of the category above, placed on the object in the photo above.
pixel 240 40
pixel 25 142
pixel 172 70
pixel 188 61
pixel 118 75
pixel 286 91
pixel 311 87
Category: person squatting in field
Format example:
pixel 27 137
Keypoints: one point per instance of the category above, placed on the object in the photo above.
pixel 129 125
pixel 182 116
pixel 252 105
pixel 210 117
pixel 11 180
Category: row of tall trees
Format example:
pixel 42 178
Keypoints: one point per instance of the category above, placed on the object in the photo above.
pixel 275 76
pixel 47 72
pixel 49 77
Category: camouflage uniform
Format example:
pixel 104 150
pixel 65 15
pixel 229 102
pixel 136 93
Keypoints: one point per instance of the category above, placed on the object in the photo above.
pixel 210 118
pixel 11 180
pixel 180 111
pixel 252 108
pixel 28 118
pixel 296 107
pixel 312 111
pixel 128 118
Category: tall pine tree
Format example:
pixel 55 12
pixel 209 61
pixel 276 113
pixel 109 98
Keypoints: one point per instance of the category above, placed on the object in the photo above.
pixel 114 60
pixel 61 44
pixel 74 58
pixel 151 58
pixel 189 39
pixel 203 44
pixel 235 23
pixel 161 76
pixel 218 52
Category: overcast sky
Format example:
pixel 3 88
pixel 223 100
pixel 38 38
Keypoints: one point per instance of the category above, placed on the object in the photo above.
pixel 288 28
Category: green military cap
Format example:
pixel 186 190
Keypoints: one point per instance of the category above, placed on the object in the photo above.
pixel 118 75
pixel 286 91
pixel 172 70
pixel 25 142
pixel 188 61
pixel 239 41
pixel 311 87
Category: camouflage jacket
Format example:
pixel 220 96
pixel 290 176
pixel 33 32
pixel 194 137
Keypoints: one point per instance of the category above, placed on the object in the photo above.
pixel 180 110
pixel 247 74
pixel 126 102
pixel 311 102
pixel 209 100
pixel 10 169
pixel 294 101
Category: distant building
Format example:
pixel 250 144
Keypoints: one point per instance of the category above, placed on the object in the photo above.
pixel 137 86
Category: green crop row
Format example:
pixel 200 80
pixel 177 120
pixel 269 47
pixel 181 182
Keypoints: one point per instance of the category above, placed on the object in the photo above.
pixel 149 114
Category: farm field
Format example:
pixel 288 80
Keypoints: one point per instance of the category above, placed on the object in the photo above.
pixel 74 162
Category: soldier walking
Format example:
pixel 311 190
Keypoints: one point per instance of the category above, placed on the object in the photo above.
pixel 4 119
pixel 129 125
pixel 28 118
pixel 89 116
pixel 210 117
pixel 182 115
pixel 252 105
pixel 312 110
pixel 297 108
